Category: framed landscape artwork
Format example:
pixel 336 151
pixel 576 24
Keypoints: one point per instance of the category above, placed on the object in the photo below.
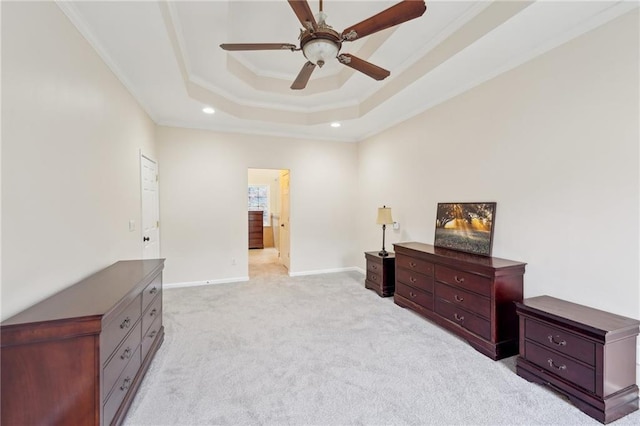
pixel 465 227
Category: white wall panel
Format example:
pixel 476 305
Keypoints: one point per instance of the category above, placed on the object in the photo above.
pixel 71 136
pixel 555 144
pixel 203 201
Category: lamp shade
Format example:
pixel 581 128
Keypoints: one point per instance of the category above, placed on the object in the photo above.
pixel 319 51
pixel 384 216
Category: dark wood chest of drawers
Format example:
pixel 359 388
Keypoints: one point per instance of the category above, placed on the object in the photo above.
pixel 256 236
pixel 380 273
pixel 78 357
pixel 584 353
pixel 467 294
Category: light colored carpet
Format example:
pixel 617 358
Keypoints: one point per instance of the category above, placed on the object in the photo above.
pixel 323 350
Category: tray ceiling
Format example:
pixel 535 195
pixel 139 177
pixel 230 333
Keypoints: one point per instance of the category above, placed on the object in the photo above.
pixel 167 54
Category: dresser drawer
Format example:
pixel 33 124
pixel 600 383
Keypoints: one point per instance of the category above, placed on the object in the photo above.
pixel 472 282
pixel 150 336
pixel 117 329
pixel 120 359
pixel 154 311
pixel 560 341
pixel 470 301
pixel 413 264
pixel 121 387
pixel 414 279
pixel 463 318
pixel 151 291
pixel 416 296
pixel 561 366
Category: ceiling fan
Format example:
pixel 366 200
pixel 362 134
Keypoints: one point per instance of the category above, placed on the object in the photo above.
pixel 319 42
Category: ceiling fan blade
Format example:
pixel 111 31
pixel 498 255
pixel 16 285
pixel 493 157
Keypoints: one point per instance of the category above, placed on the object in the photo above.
pixel 402 12
pixel 303 12
pixel 303 76
pixel 258 46
pixel 363 66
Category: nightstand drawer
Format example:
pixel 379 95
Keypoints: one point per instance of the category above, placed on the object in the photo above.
pixel 561 366
pixel 374 265
pixel 463 318
pixel 414 264
pixel 560 341
pixel 470 301
pixel 416 296
pixel 415 279
pixel 471 282
pixel 374 277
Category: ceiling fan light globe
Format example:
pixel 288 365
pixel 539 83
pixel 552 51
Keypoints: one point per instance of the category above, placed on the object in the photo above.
pixel 319 51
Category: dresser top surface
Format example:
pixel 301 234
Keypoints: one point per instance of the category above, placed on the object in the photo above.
pixel 578 314
pixel 93 296
pixel 492 262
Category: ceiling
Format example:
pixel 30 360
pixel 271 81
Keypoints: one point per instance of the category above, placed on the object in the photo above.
pixel 167 54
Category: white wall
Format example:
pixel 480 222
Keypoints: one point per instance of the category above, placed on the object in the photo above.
pixel 71 135
pixel 203 202
pixel 555 144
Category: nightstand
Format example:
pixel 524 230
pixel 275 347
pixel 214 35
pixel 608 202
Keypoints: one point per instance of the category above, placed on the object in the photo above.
pixel 584 353
pixel 380 273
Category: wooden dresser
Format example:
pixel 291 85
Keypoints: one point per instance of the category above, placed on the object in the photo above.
pixel 78 357
pixel 584 353
pixel 470 295
pixel 255 230
pixel 380 273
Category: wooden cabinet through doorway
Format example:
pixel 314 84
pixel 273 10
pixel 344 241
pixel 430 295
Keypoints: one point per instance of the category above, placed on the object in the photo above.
pixel 255 230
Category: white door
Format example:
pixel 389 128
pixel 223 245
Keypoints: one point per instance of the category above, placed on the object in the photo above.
pixel 284 218
pixel 150 209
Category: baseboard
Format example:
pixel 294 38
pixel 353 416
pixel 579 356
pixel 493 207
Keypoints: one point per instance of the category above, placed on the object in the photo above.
pixel 206 282
pixel 325 271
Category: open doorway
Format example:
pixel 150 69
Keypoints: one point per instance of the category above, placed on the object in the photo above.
pixel 268 199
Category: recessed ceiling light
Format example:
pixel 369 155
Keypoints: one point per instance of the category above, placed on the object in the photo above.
pixel 208 110
pixel 335 124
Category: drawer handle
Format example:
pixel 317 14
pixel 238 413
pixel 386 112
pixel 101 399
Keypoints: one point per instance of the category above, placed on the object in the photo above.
pixel 412 294
pixel 413 264
pixel 152 334
pixel 126 384
pixel 458 298
pixel 556 342
pixel 126 323
pixel 154 290
pixel 153 312
pixel 458 279
pixel 458 317
pixel 413 280
pixel 557 367
pixel 126 353
pixel 374 267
